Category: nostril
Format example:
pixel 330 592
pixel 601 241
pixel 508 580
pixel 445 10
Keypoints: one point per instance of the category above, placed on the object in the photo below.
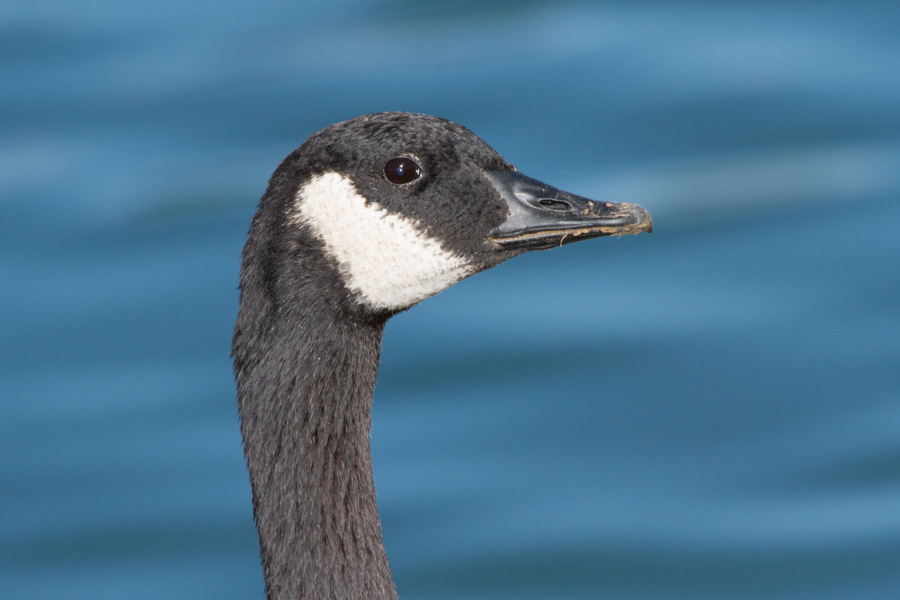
pixel 554 204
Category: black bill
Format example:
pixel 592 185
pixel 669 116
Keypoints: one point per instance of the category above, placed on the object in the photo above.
pixel 542 216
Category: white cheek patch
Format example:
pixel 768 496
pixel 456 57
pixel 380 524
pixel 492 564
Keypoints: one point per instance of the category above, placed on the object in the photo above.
pixel 384 257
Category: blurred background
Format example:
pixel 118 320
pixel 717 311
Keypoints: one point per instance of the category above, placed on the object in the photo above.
pixel 708 412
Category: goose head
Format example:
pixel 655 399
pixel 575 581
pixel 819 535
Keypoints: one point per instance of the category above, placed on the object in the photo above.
pixel 404 205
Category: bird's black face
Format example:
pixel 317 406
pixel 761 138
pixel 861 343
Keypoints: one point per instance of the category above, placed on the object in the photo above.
pixel 435 172
pixel 410 204
pixel 428 171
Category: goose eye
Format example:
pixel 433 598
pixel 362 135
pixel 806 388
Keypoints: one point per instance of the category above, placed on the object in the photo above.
pixel 402 170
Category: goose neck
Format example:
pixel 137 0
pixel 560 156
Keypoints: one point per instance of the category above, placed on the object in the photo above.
pixel 306 420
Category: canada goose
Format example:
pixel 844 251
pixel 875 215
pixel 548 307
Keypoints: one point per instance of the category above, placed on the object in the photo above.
pixel 366 219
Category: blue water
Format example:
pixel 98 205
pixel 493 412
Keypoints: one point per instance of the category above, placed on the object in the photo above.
pixel 708 412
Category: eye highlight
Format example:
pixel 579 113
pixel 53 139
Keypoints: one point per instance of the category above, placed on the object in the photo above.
pixel 402 170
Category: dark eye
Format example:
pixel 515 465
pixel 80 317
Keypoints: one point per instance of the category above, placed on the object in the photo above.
pixel 402 170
